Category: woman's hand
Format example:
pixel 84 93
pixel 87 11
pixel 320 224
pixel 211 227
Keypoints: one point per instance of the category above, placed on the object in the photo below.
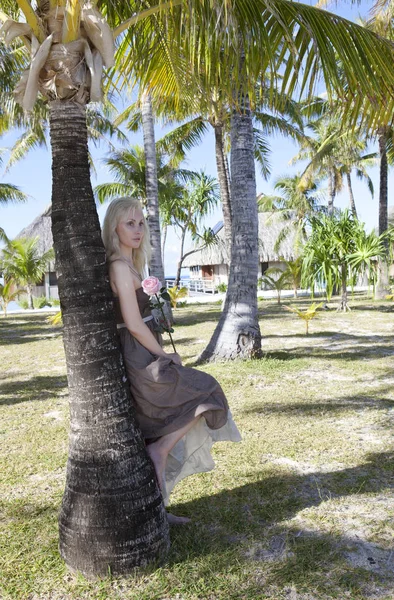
pixel 175 358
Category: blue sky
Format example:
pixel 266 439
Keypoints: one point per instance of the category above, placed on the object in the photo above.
pixel 33 176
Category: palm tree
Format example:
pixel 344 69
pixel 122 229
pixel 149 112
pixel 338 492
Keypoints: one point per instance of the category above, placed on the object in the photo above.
pixel 333 152
pixel 103 528
pixel 8 293
pixel 296 205
pixel 20 261
pixel 381 23
pixel 9 192
pixel 234 337
pixel 276 279
pixel 294 270
pixel 152 187
pixel 273 113
pixel 200 196
pixel 128 168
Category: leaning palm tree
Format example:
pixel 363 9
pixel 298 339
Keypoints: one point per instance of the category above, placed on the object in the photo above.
pixel 102 528
pixel 21 261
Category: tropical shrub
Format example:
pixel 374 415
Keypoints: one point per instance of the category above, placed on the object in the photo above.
pixel 41 302
pixel 307 314
pixel 177 294
pixel 222 288
pixel 23 303
pixel 338 252
pixel 276 279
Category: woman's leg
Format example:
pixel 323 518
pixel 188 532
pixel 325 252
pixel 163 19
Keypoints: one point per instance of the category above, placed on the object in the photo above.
pixel 160 449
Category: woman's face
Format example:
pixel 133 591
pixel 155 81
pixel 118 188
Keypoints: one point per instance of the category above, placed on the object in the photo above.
pixel 131 229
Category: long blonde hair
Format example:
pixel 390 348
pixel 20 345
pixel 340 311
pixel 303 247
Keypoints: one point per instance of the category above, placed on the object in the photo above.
pixel 115 212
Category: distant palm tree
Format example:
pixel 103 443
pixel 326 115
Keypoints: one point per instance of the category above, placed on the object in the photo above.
pixel 276 279
pixel 200 196
pixel 333 153
pixel 21 261
pixel 296 205
pixel 128 168
pixel 8 293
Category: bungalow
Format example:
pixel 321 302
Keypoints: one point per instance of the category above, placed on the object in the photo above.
pixel 211 264
pixel 41 228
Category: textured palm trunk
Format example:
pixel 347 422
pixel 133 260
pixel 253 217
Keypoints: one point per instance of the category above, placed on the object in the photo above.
pixel 164 239
pixel 112 518
pixel 152 192
pixel 351 195
pixel 343 304
pixel 382 288
pixel 29 296
pixel 181 259
pixel 224 185
pixel 237 335
pixel 331 192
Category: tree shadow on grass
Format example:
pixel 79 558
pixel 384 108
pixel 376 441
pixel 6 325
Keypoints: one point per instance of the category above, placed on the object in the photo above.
pixel 384 308
pixel 245 525
pixel 28 328
pixel 335 336
pixel 194 318
pixel 349 353
pixel 31 390
pixel 238 547
pixel 335 406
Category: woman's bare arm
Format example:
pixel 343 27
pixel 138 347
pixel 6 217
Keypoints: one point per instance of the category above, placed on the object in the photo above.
pixel 124 284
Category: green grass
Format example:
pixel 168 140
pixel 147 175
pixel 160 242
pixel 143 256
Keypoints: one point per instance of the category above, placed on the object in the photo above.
pixel 302 509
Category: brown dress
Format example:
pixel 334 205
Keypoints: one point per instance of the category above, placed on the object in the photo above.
pixel 168 396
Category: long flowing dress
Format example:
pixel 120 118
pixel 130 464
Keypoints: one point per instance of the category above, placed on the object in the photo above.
pixel 168 396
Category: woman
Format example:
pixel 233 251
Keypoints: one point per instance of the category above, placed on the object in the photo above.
pixel 170 399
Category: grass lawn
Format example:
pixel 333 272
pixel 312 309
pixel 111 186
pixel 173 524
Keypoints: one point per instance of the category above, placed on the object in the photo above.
pixel 302 509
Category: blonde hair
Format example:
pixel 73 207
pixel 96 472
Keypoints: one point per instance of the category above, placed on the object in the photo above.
pixel 118 209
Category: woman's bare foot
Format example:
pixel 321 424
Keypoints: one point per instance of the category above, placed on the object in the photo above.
pixel 159 458
pixel 174 520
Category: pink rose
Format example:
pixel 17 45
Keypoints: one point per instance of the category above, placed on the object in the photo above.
pixel 151 285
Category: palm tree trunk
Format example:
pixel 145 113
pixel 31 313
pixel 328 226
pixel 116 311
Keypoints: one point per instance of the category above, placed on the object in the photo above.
pixel 351 196
pixel 237 335
pixel 29 296
pixel 152 193
pixel 164 239
pixel 382 288
pixel 331 192
pixel 224 185
pixel 343 304
pixel 181 259
pixel 112 516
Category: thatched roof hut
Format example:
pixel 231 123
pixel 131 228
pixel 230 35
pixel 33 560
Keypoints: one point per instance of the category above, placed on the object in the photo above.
pixel 40 228
pixel 270 228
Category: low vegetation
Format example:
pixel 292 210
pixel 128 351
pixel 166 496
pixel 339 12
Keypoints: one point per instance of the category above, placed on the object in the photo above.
pixel 302 509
